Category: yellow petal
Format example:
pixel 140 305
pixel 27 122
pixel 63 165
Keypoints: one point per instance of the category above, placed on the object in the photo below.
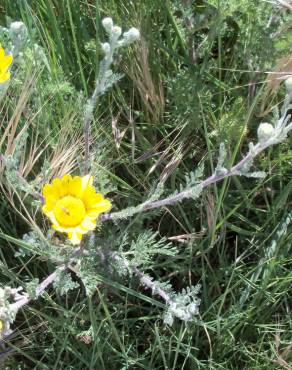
pixel 49 205
pixel 65 185
pixel 48 190
pixel 2 53
pixel 66 179
pixel 75 187
pixel 57 228
pixel 5 62
pixel 4 77
pixel 99 208
pixel 60 186
pixel 93 215
pixel 88 224
pixel 75 237
pixel 95 198
pixel 65 229
pixel 87 196
pixel 56 184
pixel 52 217
pixel 51 196
pixel 87 181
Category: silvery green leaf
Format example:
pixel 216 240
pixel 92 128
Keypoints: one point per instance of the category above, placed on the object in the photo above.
pixel 258 174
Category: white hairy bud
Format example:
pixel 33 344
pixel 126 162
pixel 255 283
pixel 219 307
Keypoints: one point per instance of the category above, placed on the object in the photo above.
pixel 106 48
pixel 265 132
pixel 108 73
pixel 117 31
pixel 132 35
pixel 17 30
pixel 107 24
pixel 17 26
pixel 288 84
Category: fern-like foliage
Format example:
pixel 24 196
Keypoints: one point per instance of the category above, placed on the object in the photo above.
pixel 141 251
pixel 64 283
pixel 193 178
pixel 184 305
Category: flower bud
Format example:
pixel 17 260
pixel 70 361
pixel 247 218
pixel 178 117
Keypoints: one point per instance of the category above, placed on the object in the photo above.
pixel 117 31
pixel 106 48
pixel 18 30
pixel 288 84
pixel 132 35
pixel 107 24
pixel 17 26
pixel 108 73
pixel 265 132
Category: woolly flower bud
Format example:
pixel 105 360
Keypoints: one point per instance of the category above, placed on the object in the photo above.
pixel 106 48
pixel 107 24
pixel 16 26
pixel 108 73
pixel 288 84
pixel 18 30
pixel 265 132
pixel 132 35
pixel 117 31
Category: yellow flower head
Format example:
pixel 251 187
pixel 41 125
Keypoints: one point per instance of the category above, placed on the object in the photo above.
pixel 72 205
pixel 5 61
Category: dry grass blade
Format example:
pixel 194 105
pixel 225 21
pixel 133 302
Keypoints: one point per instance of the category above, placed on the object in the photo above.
pixel 62 155
pixel 282 70
pixel 151 93
pixel 10 130
pixel 64 158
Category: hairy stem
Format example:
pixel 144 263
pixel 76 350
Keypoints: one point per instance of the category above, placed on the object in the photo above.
pixel 145 280
pixel 91 104
pixel 39 289
pixel 173 199
pixel 25 299
pixel 150 284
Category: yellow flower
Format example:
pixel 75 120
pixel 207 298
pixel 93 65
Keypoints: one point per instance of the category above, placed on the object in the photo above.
pixel 5 61
pixel 72 205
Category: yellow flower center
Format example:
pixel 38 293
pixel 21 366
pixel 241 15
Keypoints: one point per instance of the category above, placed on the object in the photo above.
pixel 69 211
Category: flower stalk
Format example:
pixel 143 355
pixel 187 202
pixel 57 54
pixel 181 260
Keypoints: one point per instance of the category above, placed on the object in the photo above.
pixel 105 76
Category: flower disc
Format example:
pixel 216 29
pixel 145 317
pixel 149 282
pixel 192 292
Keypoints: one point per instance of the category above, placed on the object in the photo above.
pixel 69 211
